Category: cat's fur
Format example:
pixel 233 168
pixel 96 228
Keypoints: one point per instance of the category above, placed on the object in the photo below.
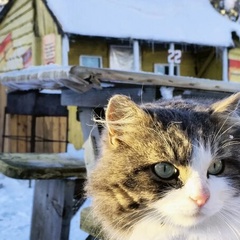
pixel 132 203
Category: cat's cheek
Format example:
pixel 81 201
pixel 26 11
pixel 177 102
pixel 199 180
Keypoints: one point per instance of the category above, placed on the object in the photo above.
pixel 221 194
pixel 180 210
pixel 177 208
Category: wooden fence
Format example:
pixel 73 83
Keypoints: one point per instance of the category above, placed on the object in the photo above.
pixel 50 134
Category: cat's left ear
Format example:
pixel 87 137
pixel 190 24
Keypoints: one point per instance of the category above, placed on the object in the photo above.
pixel 122 115
pixel 227 106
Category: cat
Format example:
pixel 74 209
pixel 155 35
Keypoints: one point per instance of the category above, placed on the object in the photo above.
pixel 168 170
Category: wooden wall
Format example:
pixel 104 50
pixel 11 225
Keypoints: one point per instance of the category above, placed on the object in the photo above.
pixel 17 37
pixel 159 53
pixel 209 63
pixel 21 32
pixel 89 46
pixel 150 54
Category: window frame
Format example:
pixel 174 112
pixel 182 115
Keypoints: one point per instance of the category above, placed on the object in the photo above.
pixel 166 65
pixel 90 56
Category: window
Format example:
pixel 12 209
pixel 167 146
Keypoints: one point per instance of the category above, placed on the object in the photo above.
pixel 164 69
pixel 90 61
pixel 121 57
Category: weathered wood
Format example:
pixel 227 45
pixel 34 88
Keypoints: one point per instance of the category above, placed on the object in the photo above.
pixel 206 63
pixel 88 224
pixel 91 136
pixel 145 78
pixel 2 108
pixel 57 77
pixel 52 209
pixel 99 98
pixel 41 166
pixel 75 135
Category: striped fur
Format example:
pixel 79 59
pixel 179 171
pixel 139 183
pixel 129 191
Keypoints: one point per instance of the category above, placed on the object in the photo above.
pixel 131 202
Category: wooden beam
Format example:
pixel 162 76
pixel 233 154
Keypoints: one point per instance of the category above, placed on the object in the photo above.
pixel 206 63
pixel 52 209
pixel 146 78
pixel 82 79
pixel 41 166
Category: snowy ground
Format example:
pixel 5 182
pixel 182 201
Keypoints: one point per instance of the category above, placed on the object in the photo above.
pixel 15 211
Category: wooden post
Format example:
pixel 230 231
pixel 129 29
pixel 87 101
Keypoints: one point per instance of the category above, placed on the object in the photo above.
pixel 136 56
pixel 171 64
pixel 52 209
pixel 225 64
pixel 91 136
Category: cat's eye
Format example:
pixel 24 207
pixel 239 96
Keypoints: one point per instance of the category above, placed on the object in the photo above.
pixel 216 168
pixel 165 170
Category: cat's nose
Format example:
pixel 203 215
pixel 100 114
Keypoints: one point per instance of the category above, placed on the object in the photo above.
pixel 200 199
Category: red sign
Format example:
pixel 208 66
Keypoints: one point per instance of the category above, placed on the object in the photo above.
pixel 5 45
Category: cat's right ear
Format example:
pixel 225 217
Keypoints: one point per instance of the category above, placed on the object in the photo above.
pixel 227 106
pixel 121 115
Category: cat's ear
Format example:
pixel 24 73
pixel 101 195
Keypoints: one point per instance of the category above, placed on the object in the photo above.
pixel 122 113
pixel 227 106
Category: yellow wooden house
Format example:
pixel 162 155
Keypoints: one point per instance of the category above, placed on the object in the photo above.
pixel 187 38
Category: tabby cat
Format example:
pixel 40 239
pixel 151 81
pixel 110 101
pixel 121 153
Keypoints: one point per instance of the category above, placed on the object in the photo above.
pixel 168 170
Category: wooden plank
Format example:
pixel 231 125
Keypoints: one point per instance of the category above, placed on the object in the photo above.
pixel 24 40
pixel 63 133
pixel 41 166
pixel 2 109
pixel 29 132
pixel 28 17
pixel 16 6
pixel 74 129
pixel 145 78
pixel 22 134
pixel 99 98
pixel 46 134
pixel 206 63
pixel 87 78
pixel 91 137
pixel 13 133
pixel 17 14
pixel 88 224
pixel 44 20
pixel 52 209
pixel 55 132
pixel 22 30
pixel 7 142
pixel 39 147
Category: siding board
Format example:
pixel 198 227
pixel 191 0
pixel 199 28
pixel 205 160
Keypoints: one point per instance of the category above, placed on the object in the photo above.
pixel 28 17
pixel 17 14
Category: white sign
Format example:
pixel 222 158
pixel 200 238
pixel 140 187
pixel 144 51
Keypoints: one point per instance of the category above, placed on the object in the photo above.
pixel 174 56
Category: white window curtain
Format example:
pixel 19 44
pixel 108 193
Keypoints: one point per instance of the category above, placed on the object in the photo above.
pixel 121 58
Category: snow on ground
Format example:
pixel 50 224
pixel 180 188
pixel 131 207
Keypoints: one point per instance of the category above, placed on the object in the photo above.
pixel 16 207
pixel 16 200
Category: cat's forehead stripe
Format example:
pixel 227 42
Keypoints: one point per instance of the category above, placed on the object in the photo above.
pixel 201 156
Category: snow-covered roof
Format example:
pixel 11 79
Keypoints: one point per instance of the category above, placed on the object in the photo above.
pixel 186 21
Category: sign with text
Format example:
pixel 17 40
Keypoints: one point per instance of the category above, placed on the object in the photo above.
pixel 49 49
pixel 174 56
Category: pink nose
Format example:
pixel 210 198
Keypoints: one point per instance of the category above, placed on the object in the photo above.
pixel 200 199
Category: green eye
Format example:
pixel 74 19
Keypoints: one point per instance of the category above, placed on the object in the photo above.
pixel 165 171
pixel 216 168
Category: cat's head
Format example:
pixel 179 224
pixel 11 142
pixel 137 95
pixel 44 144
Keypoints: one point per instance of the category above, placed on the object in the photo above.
pixel 173 162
